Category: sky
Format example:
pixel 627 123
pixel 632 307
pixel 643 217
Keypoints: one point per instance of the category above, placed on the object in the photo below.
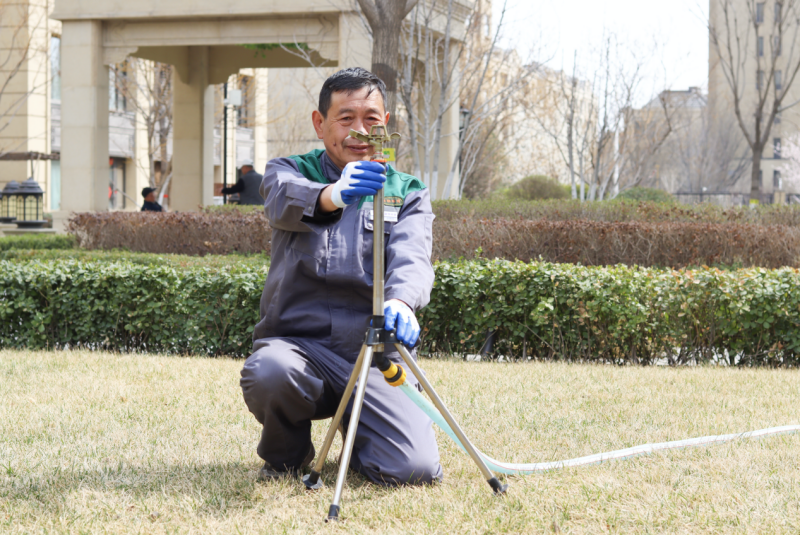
pixel 672 33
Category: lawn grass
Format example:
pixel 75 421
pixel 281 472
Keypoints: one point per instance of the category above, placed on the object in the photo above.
pixel 103 443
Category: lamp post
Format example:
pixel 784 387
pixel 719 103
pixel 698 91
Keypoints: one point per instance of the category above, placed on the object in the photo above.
pixel 8 203
pixel 30 205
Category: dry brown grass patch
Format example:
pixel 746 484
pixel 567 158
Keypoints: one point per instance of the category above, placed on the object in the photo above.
pixel 102 443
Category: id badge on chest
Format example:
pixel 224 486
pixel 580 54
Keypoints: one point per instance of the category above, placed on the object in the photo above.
pixel 389 216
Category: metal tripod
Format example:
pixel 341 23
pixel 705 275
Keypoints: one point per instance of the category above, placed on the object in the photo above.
pixel 373 351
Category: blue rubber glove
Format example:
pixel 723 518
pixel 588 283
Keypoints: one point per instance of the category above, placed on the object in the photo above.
pixel 401 318
pixel 359 179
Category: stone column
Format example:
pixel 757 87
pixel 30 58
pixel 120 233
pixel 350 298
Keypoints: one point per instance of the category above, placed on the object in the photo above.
pixel 84 120
pixel 261 119
pixel 193 135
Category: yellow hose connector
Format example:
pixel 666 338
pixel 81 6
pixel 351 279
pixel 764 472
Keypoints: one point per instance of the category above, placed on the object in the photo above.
pixel 395 375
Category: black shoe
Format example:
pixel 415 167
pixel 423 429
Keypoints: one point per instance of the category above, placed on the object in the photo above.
pixel 268 473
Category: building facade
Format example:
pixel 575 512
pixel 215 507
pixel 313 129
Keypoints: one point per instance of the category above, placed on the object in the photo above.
pixel 758 68
pixel 70 104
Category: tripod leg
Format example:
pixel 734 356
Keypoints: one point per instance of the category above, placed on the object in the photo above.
pixel 311 481
pixel 333 512
pixel 426 385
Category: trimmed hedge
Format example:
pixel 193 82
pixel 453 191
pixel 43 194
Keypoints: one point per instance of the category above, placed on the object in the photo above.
pixel 145 259
pixel 599 243
pixel 617 314
pixel 537 187
pixel 663 244
pixel 191 233
pixel 37 241
pixel 546 311
pixel 617 210
pixel 126 307
pixel 647 194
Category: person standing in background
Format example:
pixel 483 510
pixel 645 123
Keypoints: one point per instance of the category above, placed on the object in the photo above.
pixel 150 204
pixel 248 185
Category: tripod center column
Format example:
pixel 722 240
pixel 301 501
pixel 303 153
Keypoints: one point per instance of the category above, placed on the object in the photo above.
pixel 377 255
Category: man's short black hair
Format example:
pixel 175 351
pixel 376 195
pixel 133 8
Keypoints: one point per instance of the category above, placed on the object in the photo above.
pixel 349 80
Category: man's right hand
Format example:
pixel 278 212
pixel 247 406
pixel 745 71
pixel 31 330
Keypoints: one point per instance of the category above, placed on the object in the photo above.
pixel 359 179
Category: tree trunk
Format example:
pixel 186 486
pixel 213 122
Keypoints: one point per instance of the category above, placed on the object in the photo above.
pixel 385 54
pixel 571 149
pixel 755 174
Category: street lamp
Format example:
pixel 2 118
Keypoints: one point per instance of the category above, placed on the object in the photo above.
pixel 30 205
pixel 8 202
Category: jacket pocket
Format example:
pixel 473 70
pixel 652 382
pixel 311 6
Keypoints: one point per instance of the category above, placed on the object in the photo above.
pixel 367 242
pixel 311 244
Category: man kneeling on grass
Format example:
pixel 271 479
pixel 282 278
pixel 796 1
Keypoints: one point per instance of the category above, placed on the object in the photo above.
pixel 318 295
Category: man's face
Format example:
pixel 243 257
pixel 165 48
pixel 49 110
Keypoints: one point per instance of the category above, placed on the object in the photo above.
pixel 246 169
pixel 151 197
pixel 358 111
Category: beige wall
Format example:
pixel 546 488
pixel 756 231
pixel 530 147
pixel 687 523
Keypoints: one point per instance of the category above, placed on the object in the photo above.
pixel 24 104
pixel 150 9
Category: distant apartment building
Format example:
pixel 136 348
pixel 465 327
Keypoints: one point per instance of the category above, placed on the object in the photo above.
pixel 670 134
pixel 760 65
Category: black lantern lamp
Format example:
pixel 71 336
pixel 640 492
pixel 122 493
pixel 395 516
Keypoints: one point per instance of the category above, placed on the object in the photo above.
pixel 30 205
pixel 8 202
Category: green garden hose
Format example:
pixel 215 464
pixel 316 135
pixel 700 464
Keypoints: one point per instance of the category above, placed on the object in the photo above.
pixel 618 455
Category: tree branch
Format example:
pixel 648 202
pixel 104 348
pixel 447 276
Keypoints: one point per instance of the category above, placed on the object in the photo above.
pixel 409 6
pixel 371 12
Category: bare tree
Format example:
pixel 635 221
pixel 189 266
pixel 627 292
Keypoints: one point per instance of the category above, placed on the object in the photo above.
pixel 701 154
pixel 385 18
pixel 440 71
pixel 429 72
pixel 627 139
pixel 147 87
pixel 759 57
pixel 492 81
pixel 19 23
pixel 636 148
pixel 605 143
pixel 565 110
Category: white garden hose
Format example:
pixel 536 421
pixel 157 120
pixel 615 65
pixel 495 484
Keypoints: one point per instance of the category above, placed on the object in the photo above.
pixel 618 455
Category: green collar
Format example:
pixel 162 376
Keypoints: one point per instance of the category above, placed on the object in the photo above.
pixel 398 185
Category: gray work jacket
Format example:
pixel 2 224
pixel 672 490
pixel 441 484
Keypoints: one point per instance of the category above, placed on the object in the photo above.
pixel 320 277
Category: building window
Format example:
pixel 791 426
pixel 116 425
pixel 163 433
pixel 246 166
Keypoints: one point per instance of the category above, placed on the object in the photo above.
pixel 776 148
pixel 776 46
pixel 55 68
pixel 759 12
pixel 778 12
pixel 760 80
pixel 776 180
pixel 777 118
pixel 117 85
pixel 760 46
pixel 246 112
pixel 778 81
pixel 55 185
pixel 117 184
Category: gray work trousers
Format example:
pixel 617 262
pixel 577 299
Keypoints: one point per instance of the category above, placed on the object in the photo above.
pixel 288 382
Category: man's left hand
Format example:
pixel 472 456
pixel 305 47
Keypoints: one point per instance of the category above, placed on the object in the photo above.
pixel 400 317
